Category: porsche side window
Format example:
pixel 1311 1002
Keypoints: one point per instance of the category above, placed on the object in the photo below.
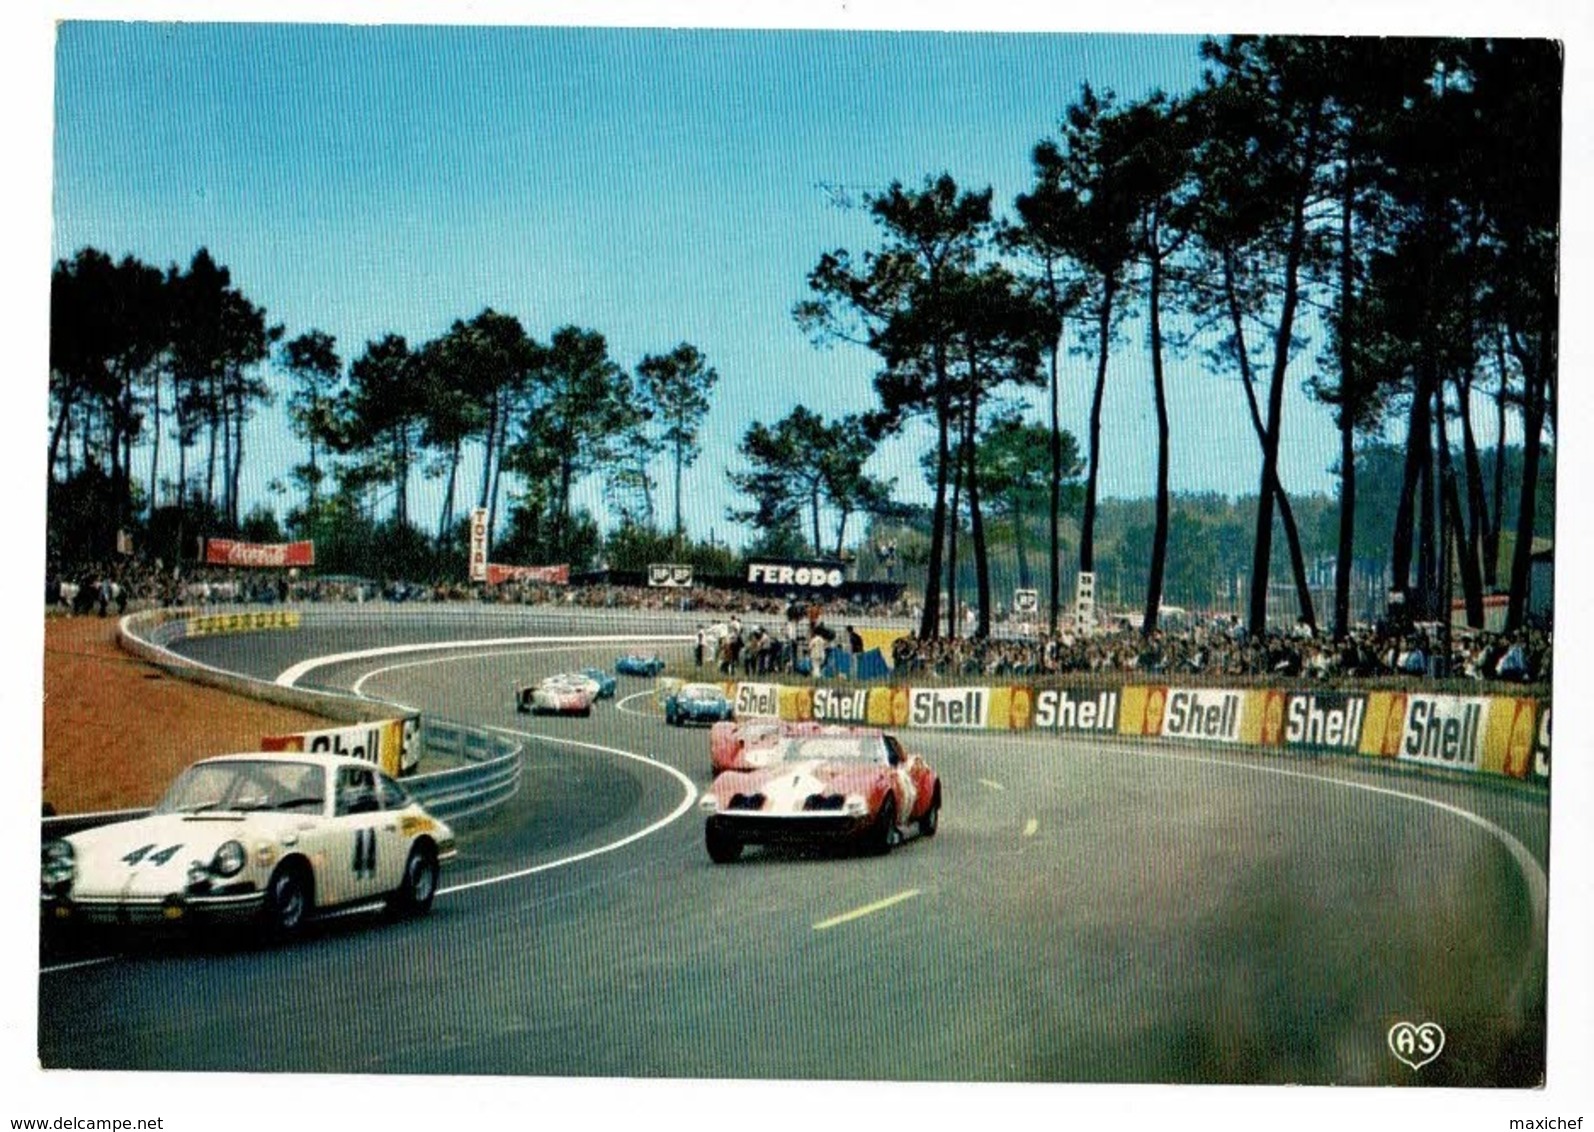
pixel 391 793
pixel 893 751
pixel 356 792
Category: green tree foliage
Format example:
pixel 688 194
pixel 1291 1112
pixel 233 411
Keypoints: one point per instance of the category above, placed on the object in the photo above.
pixel 675 390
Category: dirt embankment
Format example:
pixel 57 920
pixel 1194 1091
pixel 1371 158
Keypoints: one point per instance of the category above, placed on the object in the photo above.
pixel 116 730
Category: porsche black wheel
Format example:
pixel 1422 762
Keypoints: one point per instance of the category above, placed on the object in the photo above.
pixel 722 848
pixel 287 900
pixel 931 821
pixel 419 886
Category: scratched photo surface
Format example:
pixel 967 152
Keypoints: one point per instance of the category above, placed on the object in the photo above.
pixel 796 556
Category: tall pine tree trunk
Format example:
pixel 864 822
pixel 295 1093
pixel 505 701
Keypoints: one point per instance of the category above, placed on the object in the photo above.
pixel 1087 529
pixel 1292 534
pixel 930 620
pixel 1159 538
pixel 1054 572
pixel 982 564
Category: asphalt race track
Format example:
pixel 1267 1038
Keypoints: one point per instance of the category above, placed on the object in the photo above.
pixel 1090 911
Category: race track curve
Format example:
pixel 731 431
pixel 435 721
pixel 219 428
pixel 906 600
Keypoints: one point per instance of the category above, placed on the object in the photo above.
pixel 1090 911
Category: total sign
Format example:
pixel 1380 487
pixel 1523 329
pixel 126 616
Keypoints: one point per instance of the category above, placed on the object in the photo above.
pixel 1444 731
pixel 1202 713
pixel 949 707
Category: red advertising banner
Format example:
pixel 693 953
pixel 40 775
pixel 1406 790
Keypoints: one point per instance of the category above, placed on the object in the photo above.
pixel 551 575
pixel 227 552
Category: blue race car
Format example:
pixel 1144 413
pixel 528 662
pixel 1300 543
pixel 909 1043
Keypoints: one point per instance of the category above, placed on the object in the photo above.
pixel 606 683
pixel 635 664
pixel 697 703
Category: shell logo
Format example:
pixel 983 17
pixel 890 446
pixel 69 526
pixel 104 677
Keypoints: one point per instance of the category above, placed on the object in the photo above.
pixel 1273 720
pixel 1394 727
pixel 1155 702
pixel 1519 748
pixel 899 707
pixel 805 703
pixel 1018 708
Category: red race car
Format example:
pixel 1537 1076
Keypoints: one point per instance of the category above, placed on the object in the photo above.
pixel 854 786
pixel 757 743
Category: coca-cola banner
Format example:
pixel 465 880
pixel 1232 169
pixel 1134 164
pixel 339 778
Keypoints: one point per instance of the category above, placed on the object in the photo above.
pixel 228 552
pixel 550 575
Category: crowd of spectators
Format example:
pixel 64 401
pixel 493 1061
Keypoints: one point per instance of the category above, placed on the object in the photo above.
pixel 1225 649
pixel 782 629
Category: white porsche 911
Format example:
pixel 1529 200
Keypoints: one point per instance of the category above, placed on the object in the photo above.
pixel 270 837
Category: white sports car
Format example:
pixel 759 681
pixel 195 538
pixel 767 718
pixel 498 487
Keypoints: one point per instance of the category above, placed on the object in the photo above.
pixel 268 836
pixel 558 695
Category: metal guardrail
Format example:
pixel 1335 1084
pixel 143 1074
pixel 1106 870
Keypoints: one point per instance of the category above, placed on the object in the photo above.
pixel 490 778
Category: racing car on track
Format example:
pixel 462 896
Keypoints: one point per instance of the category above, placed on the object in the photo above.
pixel 697 703
pixel 756 743
pixel 635 664
pixel 557 695
pixel 605 682
pixel 267 837
pixel 860 787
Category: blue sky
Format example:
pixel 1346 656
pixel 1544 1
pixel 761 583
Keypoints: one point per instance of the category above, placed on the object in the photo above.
pixel 656 185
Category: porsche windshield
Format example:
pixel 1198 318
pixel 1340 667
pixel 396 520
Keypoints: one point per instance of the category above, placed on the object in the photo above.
pixel 704 693
pixel 246 784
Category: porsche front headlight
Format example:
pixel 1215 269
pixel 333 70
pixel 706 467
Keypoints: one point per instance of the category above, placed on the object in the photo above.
pixel 708 804
pixel 229 859
pixel 856 806
pixel 57 865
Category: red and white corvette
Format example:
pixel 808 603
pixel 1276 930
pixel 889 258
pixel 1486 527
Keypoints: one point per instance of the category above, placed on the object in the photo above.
pixel 853 785
pixel 757 743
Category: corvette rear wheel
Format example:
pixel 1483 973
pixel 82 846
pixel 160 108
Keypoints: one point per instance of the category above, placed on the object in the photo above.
pixel 419 886
pixel 931 821
pixel 884 834
pixel 722 848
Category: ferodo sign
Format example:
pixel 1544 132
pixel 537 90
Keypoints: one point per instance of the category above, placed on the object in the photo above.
pixel 1202 713
pixel 1444 731
pixel 949 707
pixel 838 705
pixel 757 699
pixel 822 575
pixel 392 744
pixel 1064 709
pixel 1324 719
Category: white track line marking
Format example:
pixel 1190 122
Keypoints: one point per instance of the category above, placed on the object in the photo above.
pixel 1030 827
pixel 291 675
pixel 78 963
pixel 686 804
pixel 992 785
pixel 866 910
pixel 619 705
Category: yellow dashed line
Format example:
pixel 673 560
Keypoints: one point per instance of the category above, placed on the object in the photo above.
pixel 1030 827
pixel 856 913
pixel 992 785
